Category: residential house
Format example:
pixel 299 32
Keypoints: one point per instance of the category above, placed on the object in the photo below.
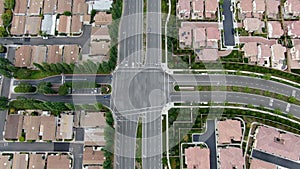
pixel 92 156
pixel 64 24
pixel 18 25
pixel 50 7
pixel 63 6
pixel 55 53
pixel 99 5
pixel 31 126
pixel 246 8
pixel 65 127
pixel 231 157
pixel 37 161
pixel 58 161
pixel 211 8
pixel 33 25
pixel 278 56
pixel 79 7
pixel 20 7
pixel 295 57
pixel 92 119
pixel 206 54
pixel 274 29
pixel 292 8
pixel 256 163
pixel 23 56
pixel 280 143
pixel 184 9
pixel 71 54
pixel 102 18
pixel 199 38
pixel 259 8
pixel 229 131
pixel 264 54
pixel 272 8
pixel 35 7
pixel 48 128
pixel 48 24
pixel 251 52
pixel 5 162
pixel 197 9
pixel 76 27
pixel 294 29
pixel 185 37
pixel 100 41
pixel 20 161
pixel 213 37
pixel 196 157
pixel 253 24
pixel 94 136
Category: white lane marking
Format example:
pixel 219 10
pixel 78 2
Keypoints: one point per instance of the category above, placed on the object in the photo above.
pixel 288 107
pixel 271 102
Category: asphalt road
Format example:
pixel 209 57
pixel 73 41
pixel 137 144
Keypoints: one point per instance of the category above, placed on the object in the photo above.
pixel 137 93
pixel 275 159
pixel 74 148
pixel 209 137
pixel 235 97
pixel 34 147
pixel 82 40
pixel 79 134
pixel 125 143
pixel 5 87
pixel 131 52
pixel 153 50
pixel 228 24
pixel 152 140
pixel 233 80
pixel 2 123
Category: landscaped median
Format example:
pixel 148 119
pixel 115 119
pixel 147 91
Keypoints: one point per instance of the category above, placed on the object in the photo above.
pixel 245 67
pixel 289 99
pixel 46 88
pixel 25 88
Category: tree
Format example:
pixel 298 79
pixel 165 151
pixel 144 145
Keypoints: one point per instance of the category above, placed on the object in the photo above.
pixel 109 118
pixel 9 4
pixel 7 17
pixel 40 67
pixel 45 88
pixel 3 103
pixel 3 32
pixel 25 88
pixel 67 13
pixel 63 90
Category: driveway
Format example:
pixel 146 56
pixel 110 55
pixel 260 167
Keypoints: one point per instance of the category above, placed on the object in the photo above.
pixel 228 24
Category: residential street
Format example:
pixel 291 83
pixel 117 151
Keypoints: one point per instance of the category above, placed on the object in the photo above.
pixel 275 159
pixel 228 24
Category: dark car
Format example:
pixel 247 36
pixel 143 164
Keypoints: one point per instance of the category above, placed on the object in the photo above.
pixel 27 39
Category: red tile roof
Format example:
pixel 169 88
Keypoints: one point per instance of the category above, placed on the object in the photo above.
pixel 197 158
